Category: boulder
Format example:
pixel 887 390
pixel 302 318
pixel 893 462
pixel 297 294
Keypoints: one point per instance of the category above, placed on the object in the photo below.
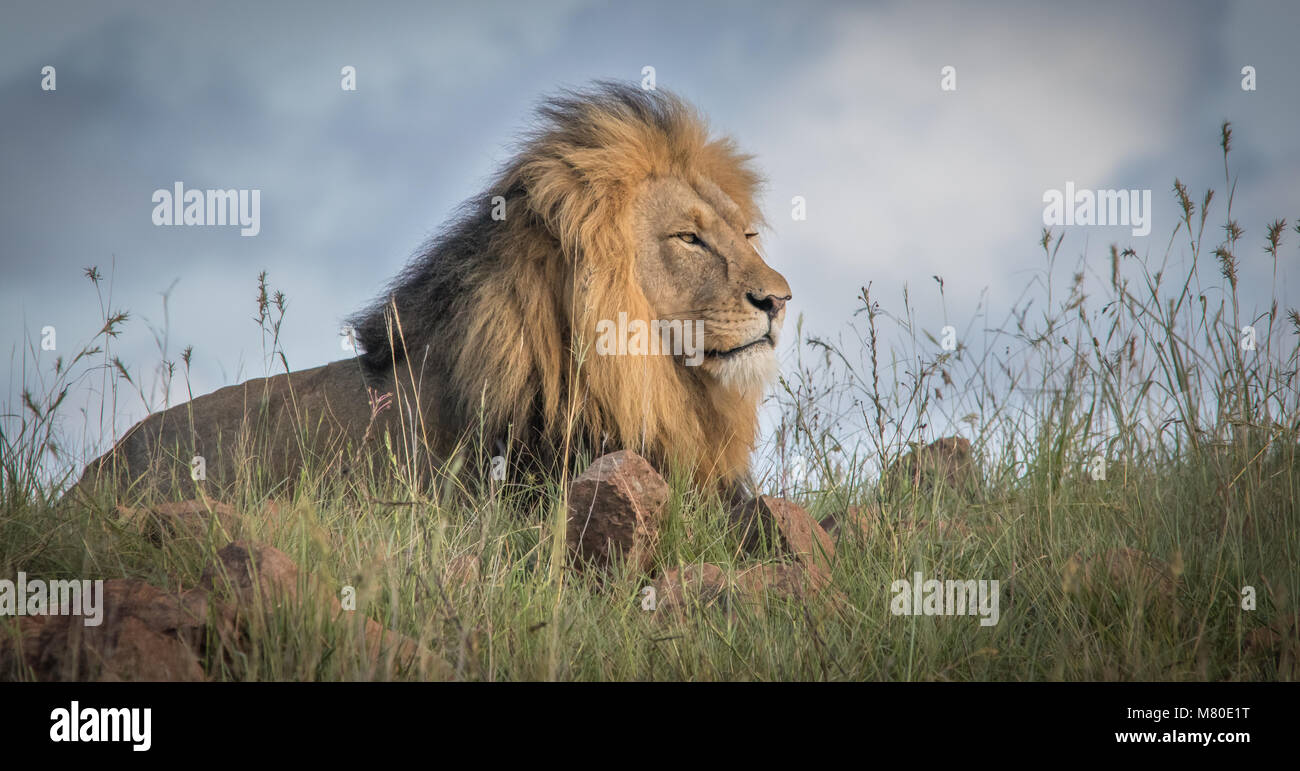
pixel 177 519
pixel 1131 567
pixel 945 462
pixel 615 509
pixel 462 570
pixel 252 571
pixel 678 588
pixel 255 575
pixel 149 634
pixel 1115 570
pixel 784 526
pixel 707 585
pixel 146 634
pixel 858 521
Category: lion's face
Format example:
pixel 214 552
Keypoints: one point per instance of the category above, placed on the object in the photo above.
pixel 696 261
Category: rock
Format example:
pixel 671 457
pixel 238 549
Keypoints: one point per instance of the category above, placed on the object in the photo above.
pixel 702 584
pixel 149 634
pixel 1280 639
pixel 781 580
pixel 615 509
pixel 380 641
pixel 786 526
pixel 1119 568
pixel 1262 641
pixel 708 585
pixel 868 522
pixel 943 529
pixel 252 570
pixel 462 570
pixel 139 653
pixel 258 573
pixel 1130 567
pixel 859 521
pixel 947 461
pixel 146 635
pixel 191 518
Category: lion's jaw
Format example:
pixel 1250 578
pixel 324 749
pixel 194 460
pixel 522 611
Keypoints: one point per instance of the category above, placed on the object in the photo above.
pixel 749 371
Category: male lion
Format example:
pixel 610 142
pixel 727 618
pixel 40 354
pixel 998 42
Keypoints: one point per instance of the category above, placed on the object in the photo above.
pixel 619 202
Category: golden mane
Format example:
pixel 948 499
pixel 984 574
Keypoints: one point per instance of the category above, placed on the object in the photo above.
pixel 503 312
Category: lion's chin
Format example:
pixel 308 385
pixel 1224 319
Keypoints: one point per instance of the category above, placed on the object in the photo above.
pixel 749 372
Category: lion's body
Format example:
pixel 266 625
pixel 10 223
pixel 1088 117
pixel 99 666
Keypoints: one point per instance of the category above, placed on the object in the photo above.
pixel 490 331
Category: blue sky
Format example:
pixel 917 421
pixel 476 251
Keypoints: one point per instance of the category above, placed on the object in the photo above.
pixel 839 102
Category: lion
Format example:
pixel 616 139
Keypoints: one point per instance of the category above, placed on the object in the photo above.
pixel 619 208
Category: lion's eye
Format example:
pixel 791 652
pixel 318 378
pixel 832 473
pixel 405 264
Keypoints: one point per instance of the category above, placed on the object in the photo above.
pixel 751 235
pixel 689 238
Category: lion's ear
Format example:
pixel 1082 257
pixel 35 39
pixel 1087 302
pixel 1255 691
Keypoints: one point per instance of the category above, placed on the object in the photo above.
pixel 549 183
pixel 732 171
pixel 575 210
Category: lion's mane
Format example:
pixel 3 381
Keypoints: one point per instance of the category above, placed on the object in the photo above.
pixel 501 313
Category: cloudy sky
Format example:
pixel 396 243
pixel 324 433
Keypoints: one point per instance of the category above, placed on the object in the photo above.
pixel 841 103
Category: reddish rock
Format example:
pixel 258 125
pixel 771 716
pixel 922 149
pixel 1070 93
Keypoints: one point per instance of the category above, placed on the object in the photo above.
pixel 784 525
pixel 462 570
pixel 781 580
pixel 858 521
pixel 1280 641
pixel 699 584
pixel 382 642
pixel 947 461
pixel 615 508
pixel 1118 569
pixel 706 585
pixel 146 635
pixel 1263 640
pixel 149 634
pixel 192 518
pixel 140 654
pixel 943 529
pixel 251 570
pixel 259 573
pixel 1132 568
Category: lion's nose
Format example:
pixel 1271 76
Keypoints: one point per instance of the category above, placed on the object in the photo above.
pixel 770 304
